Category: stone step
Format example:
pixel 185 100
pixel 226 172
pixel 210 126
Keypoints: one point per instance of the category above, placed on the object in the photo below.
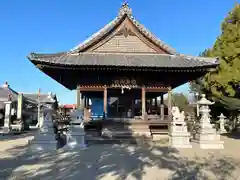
pixel 159 131
pixel 116 140
pixel 127 125
pixel 126 133
pixel 127 130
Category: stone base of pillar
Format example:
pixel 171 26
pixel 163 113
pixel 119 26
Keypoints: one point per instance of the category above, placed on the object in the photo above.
pixel 179 137
pixel 76 137
pixel 208 139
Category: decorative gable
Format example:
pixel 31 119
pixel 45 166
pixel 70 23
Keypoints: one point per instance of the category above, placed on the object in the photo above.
pixel 126 38
pixel 123 43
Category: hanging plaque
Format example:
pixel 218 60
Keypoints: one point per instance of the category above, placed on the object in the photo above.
pixel 125 81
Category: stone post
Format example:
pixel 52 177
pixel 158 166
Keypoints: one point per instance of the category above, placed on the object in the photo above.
pixel 7 119
pixel 222 124
pixel 19 106
pixel 206 135
pixel 20 124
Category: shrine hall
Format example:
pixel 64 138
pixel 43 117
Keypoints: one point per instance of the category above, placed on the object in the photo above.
pixel 123 68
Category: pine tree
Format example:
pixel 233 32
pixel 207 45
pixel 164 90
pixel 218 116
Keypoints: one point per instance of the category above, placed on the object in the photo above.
pixel 226 80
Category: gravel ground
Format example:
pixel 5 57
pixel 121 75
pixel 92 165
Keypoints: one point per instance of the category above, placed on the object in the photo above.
pixel 118 162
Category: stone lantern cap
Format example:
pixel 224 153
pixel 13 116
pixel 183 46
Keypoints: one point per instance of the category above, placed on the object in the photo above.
pixel 222 116
pixel 204 100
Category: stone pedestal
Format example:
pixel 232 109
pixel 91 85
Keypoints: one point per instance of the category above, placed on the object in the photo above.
pixel 206 135
pixel 222 129
pixel 179 137
pixel 44 140
pixel 76 134
pixel 7 118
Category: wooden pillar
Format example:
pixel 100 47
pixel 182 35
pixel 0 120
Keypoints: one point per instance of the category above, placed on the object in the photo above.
pixel 87 101
pixel 78 98
pixel 81 107
pixel 143 103
pixel 133 107
pixel 84 101
pixel 151 105
pixel 105 101
pixel 162 107
pixel 169 104
pixel 156 104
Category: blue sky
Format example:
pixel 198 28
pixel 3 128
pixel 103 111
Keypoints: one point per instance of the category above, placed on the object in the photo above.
pixel 49 26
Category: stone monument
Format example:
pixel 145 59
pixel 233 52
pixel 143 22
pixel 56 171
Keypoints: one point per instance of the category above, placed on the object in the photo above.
pixel 206 135
pixel 179 137
pixel 222 120
pixel 7 118
pixel 76 133
pixel 44 140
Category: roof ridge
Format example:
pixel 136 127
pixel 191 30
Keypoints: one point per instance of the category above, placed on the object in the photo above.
pixel 31 93
pixel 125 10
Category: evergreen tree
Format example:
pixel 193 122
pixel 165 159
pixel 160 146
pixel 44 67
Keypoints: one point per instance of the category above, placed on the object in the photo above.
pixel 197 86
pixel 225 81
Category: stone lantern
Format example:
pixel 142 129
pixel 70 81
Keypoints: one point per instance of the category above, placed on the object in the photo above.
pixel 206 135
pixel 76 134
pixel 44 140
pixel 222 120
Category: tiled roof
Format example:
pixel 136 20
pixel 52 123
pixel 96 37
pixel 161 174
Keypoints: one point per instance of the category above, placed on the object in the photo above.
pixel 124 60
pixel 125 11
pixel 78 57
pixel 43 97
pixel 5 92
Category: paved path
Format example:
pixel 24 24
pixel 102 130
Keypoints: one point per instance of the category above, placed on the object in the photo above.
pixel 119 162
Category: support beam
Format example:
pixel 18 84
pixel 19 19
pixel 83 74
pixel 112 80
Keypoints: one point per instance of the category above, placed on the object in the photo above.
pixel 143 103
pixel 105 101
pixel 170 104
pixel 162 107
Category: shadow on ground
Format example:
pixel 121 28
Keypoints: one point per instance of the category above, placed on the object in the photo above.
pixel 14 136
pixel 120 161
pixel 233 135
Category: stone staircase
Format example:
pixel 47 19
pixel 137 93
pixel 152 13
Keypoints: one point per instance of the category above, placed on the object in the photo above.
pixel 124 131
